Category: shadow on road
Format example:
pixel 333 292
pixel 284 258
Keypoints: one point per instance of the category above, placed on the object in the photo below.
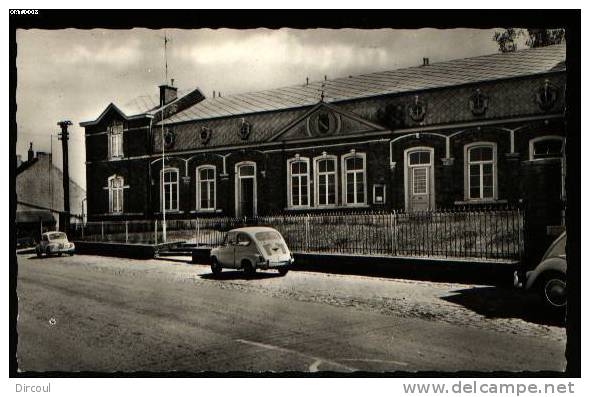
pixel 239 275
pixel 496 302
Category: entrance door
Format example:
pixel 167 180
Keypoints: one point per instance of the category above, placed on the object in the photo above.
pixel 246 189
pixel 419 179
pixel 246 197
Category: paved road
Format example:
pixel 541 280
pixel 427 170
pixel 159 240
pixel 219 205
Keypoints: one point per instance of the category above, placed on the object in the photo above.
pixel 88 313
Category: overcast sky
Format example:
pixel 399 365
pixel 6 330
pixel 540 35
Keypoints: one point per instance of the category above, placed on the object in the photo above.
pixel 74 74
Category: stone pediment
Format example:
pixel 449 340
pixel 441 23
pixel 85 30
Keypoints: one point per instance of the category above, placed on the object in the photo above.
pixel 322 121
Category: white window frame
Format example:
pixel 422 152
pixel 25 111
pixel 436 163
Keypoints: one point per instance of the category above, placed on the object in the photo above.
pixel 345 173
pixel 290 182
pixel 237 186
pixel 116 150
pixel 316 179
pixel 467 172
pixel 198 187
pixel 544 138
pixel 162 189
pixel 384 186
pixel 113 190
pixel 427 170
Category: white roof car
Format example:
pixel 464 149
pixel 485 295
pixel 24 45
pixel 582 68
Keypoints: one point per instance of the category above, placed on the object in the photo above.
pixel 251 248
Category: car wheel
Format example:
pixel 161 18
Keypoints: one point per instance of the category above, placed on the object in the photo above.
pixel 554 290
pixel 283 271
pixel 248 268
pixel 59 254
pixel 216 267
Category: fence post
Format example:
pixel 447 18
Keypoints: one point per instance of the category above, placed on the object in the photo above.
pixel 126 232
pixel 156 232
pixel 102 230
pixel 394 232
pixel 307 233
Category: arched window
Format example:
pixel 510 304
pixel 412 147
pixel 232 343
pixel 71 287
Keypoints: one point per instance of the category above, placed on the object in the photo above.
pixel 169 189
pixel 480 171
pixel 298 182
pixel 354 183
pixel 326 181
pixel 546 147
pixel 115 186
pixel 115 134
pixel 206 188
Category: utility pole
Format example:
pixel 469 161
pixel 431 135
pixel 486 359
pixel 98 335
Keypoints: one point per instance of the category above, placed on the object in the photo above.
pixel 64 137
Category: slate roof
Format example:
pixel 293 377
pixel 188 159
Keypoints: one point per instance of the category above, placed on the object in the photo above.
pixel 146 103
pixel 436 75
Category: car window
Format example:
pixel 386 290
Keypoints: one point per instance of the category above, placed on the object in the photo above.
pixel 558 248
pixel 230 238
pixel 57 236
pixel 44 238
pixel 243 238
pixel 268 236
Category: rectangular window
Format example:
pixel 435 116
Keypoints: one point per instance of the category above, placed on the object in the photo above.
pixel 354 178
pixel 115 187
pixel 481 170
pixel 206 188
pixel 299 181
pixel 420 179
pixel 170 189
pixel 115 133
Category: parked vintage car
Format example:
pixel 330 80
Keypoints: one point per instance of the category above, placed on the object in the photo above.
pixel 252 248
pixel 54 243
pixel 549 277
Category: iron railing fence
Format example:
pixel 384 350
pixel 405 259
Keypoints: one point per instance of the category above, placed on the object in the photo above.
pixel 456 233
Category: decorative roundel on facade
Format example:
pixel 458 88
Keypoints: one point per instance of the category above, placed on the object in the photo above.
pixel 169 139
pixel 323 122
pixel 546 96
pixel 417 109
pixel 205 135
pixel 478 103
pixel 244 129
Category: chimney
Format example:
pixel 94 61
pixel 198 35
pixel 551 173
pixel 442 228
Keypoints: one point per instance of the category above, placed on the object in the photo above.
pixel 30 153
pixel 425 61
pixel 167 94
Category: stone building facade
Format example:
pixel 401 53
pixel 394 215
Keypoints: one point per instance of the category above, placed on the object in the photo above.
pixel 482 131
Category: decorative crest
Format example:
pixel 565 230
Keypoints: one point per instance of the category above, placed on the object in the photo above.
pixel 244 129
pixel 547 96
pixel 205 135
pixel 478 103
pixel 417 109
pixel 169 139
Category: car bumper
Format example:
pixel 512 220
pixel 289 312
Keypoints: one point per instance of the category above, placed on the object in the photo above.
pixel 63 250
pixel 274 265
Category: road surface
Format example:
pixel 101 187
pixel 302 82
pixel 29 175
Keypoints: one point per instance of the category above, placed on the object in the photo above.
pixel 90 313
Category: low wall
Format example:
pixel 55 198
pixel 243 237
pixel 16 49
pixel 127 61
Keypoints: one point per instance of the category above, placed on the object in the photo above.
pixel 443 270
pixel 122 250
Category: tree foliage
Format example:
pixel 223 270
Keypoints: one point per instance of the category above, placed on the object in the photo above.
pixel 506 38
